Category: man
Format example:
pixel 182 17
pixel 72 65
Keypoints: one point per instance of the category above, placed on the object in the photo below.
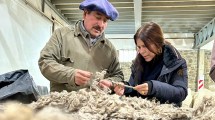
pixel 212 70
pixel 73 54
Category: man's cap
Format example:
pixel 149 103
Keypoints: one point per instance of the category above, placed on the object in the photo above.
pixel 103 6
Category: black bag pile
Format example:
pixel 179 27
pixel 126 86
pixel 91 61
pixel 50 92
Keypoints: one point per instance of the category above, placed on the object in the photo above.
pixel 19 86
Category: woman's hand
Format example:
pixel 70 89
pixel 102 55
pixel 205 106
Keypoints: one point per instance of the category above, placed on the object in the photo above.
pixel 142 88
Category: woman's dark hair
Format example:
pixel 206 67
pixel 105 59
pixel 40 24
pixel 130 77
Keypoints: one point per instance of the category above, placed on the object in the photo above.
pixel 150 33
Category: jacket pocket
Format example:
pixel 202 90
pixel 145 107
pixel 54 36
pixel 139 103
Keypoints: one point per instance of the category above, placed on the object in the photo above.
pixel 67 61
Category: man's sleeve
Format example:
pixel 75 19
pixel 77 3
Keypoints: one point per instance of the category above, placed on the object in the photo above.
pixel 212 71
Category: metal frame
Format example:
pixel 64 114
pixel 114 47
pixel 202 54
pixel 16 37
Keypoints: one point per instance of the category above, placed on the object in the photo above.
pixel 205 35
pixel 57 12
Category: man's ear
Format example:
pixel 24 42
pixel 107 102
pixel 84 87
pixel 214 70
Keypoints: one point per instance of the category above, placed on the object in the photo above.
pixel 85 13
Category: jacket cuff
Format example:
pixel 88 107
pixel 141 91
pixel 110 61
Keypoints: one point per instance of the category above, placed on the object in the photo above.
pixel 127 90
pixel 71 80
pixel 150 87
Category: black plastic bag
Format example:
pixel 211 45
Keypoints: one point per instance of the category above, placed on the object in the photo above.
pixel 18 85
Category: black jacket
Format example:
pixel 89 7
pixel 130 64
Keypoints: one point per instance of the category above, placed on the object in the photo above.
pixel 171 84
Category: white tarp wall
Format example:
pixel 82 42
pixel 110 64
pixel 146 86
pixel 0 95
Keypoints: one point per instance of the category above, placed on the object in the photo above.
pixel 23 33
pixel 126 48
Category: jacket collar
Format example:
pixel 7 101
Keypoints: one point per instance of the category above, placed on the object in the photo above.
pixel 171 56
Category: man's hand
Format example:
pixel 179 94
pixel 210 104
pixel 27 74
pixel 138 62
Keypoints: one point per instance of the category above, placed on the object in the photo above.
pixel 118 88
pixel 82 77
pixel 105 83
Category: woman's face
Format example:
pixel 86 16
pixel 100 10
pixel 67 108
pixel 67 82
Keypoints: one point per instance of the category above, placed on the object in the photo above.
pixel 144 51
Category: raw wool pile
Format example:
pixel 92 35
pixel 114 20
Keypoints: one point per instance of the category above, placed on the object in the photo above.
pixel 97 104
pixel 204 105
pixel 86 104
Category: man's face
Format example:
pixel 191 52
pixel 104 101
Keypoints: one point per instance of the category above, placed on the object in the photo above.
pixel 95 22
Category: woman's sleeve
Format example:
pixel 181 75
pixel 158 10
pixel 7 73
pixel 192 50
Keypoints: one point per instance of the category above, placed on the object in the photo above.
pixel 174 91
pixel 130 82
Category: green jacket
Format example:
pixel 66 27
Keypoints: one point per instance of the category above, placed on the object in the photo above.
pixel 68 50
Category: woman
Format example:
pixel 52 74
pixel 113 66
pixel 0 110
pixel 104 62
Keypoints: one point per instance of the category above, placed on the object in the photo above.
pixel 158 71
